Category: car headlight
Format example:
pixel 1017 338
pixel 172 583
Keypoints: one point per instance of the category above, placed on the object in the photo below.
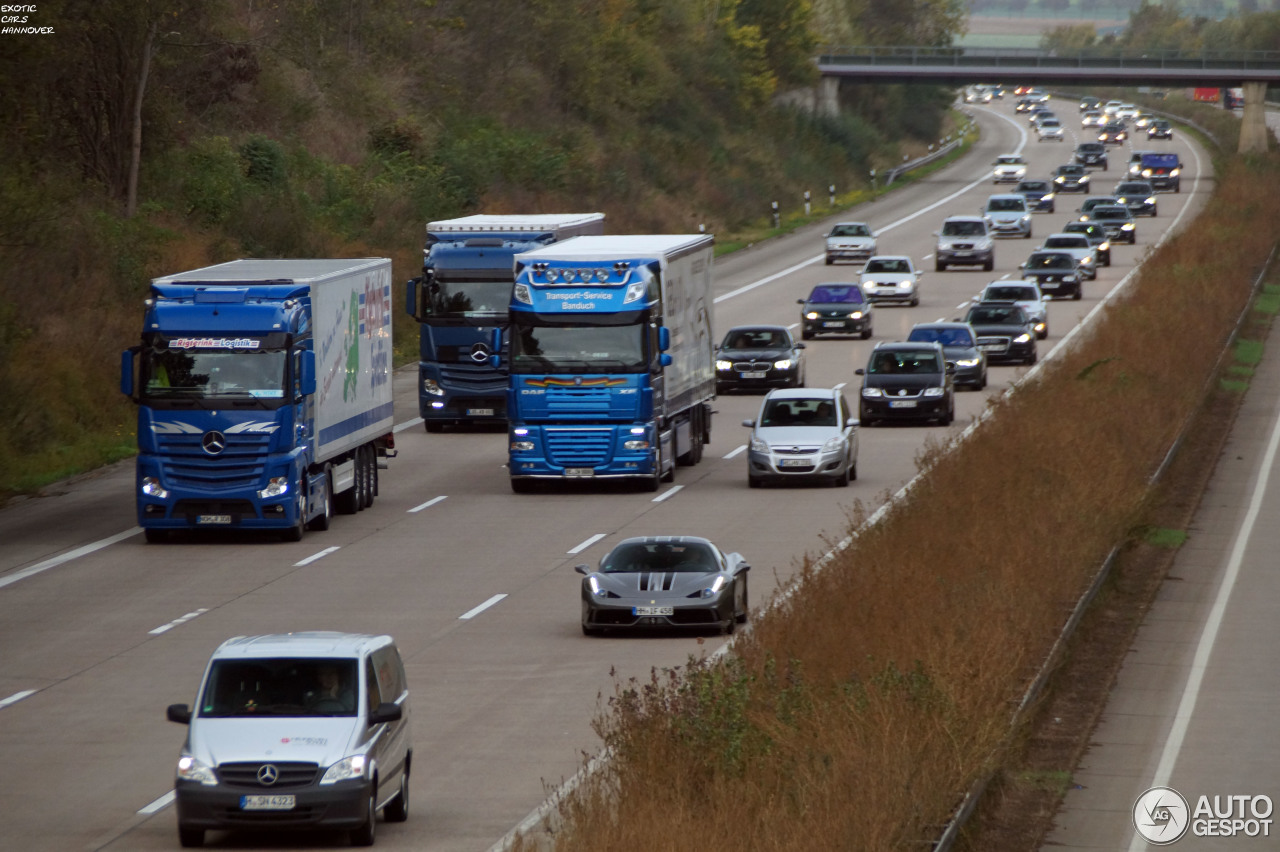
pixel 784 364
pixel 432 387
pixel 1086 261
pixel 1048 197
pixel 1022 338
pixel 190 769
pixel 1040 326
pixel 933 392
pixel 811 315
pixel 593 583
pixel 1151 200
pixel 152 488
pixel 1059 179
pixel 758 445
pixel 1123 200
pixel 714 589
pixel 1175 172
pixel 967 362
pixel 1104 246
pixel 872 393
pixel 908 284
pixel 1146 172
pixel 346 769
pixel 855 314
pixel 1127 226
pixel 722 366
pixel 1025 219
pixel 276 486
pixel 833 444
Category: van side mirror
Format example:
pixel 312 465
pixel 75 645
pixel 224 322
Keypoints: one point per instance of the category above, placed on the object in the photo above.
pixel 388 711
pixel 179 713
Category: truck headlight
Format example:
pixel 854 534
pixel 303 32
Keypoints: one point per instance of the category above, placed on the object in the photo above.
pixel 432 387
pixel 152 488
pixel 628 445
pixel 723 366
pixel 521 446
pixel 190 769
pixel 345 769
pixel 276 486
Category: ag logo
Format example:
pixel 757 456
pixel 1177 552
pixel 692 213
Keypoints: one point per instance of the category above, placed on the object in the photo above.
pixel 1161 816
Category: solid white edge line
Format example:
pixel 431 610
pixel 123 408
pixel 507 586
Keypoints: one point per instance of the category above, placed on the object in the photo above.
pixel 16 697
pixel 313 557
pixel 428 504
pixel 668 493
pixel 472 613
pixel 158 805
pixel 67 557
pixel 587 543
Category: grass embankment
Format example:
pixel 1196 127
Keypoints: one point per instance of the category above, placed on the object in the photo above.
pixel 856 714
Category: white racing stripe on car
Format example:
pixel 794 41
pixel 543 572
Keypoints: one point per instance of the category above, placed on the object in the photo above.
pixel 313 557
pixel 668 493
pixel 428 504
pixel 16 697
pixel 158 805
pixel 735 452
pixel 165 628
pixel 587 543
pixel 472 613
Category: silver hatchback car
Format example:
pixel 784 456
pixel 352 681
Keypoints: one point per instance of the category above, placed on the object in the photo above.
pixel 803 434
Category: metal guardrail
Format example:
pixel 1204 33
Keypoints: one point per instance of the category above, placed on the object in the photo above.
pixel 898 171
pixel 1256 60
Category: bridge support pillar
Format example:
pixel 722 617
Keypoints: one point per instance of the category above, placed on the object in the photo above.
pixel 1253 123
pixel 829 96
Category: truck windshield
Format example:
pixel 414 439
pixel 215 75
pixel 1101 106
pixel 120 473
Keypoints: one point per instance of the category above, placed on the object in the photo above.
pixel 212 374
pixel 462 299
pixel 578 348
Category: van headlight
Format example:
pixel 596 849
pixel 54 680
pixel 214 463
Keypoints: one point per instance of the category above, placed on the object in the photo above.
pixel 872 393
pixel 346 769
pixel 811 315
pixel 190 769
pixel 933 392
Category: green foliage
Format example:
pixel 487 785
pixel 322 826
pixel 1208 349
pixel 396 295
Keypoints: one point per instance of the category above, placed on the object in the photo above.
pixel 212 180
pixel 264 161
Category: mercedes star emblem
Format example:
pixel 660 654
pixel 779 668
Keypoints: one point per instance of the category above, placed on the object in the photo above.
pixel 268 774
pixel 213 443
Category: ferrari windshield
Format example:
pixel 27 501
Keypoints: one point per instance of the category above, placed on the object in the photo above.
pixel 678 557
pixel 577 347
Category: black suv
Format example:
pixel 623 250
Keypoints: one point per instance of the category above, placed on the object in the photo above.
pixel 1005 333
pixel 840 308
pixel 907 381
pixel 1092 154
pixel 1057 272
pixel 1071 177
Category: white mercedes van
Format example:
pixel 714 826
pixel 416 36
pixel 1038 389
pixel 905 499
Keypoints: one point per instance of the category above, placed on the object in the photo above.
pixel 296 731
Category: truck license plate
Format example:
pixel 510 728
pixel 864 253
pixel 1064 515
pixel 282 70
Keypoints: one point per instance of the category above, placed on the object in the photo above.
pixel 267 803
pixel 479 412
pixel 213 519
pixel 579 471
pixel 652 610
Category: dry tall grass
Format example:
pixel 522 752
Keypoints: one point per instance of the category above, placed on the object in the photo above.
pixel 857 711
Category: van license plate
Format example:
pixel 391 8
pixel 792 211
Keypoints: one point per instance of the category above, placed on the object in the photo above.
pixel 213 519
pixel 267 803
pixel 652 610
pixel 579 471
pixel 479 412
pixel 902 403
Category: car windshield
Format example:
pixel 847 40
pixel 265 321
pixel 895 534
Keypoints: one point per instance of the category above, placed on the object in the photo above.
pixel 1066 242
pixel 755 338
pixel 963 229
pixel 1033 186
pixel 1110 212
pixel 1133 189
pixel 643 557
pixel 1006 205
pixel 1009 293
pixel 836 294
pixel 1051 261
pixel 997 315
pixel 1071 170
pixel 1090 147
pixel 905 361
pixel 949 336
pixel 887 265
pixel 851 230
pixel 806 411
pixel 1010 161
pixel 239 688
pixel 1050 122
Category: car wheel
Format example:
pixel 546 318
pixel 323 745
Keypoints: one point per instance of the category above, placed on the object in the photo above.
pixel 829 261
pixel 591 631
pixel 433 426
pixel 741 615
pixel 989 265
pixel 1032 358
pixel 866 333
pixel 323 520
pixel 1027 235
pixel 155 536
pixel 1153 212
pixel 1076 296
pixel 843 480
pixel 368 831
pixel 983 384
pixel 753 481
pixel 190 838
pixel 939 266
pixel 397 810
pixel 806 335
pixel 1052 208
pixel 915 300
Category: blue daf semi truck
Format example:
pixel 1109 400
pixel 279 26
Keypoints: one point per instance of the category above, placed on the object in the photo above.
pixel 264 395
pixel 611 359
pixel 467 273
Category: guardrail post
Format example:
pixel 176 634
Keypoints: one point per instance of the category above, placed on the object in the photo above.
pixel 831 190
pixel 873 184
pixel 807 208
pixel 777 218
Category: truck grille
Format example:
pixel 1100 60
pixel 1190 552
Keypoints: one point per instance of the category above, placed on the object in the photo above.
pixel 578 447
pixel 239 466
pixel 577 401
pixel 473 377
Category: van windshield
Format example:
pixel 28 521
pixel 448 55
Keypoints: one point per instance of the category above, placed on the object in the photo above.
pixel 243 688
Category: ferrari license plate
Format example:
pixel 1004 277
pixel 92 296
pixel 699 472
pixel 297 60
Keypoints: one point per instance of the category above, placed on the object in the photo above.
pixel 652 610
pixel 579 471
pixel 213 519
pixel 479 412
pixel 753 375
pixel 267 803
pixel 902 403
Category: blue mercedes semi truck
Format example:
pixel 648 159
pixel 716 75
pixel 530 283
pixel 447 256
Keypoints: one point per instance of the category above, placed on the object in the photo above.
pixel 264 395
pixel 612 373
pixel 462 296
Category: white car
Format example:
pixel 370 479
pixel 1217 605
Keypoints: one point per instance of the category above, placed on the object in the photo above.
pixel 850 241
pixel 1008 168
pixel 1128 112
pixel 1110 107
pixel 1050 129
pixel 891 278
pixel 1092 118
pixel 1007 215
pixel 1079 246
pixel 1026 294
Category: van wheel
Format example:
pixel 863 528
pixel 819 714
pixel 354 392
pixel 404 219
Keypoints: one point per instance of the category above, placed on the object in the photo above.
pixel 190 838
pixel 397 810
pixel 367 833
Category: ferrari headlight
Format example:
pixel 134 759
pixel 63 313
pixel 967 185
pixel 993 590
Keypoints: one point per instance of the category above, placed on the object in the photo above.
pixel 1022 338
pixel 784 364
pixel 152 488
pixel 190 769
pixel 722 366
pixel 872 393
pixel 966 362
pixel 933 392
pixel 593 583
pixel 346 769
pixel 276 486
pixel 715 587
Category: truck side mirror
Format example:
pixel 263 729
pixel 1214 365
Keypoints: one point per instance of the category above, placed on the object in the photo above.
pixel 127 358
pixel 664 339
pixel 665 359
pixel 307 381
pixel 411 297
pixel 495 349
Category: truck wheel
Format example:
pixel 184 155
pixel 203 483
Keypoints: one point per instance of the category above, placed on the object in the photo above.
pixel 366 481
pixel 156 536
pixel 321 521
pixel 348 502
pixel 522 486
pixel 652 482
pixel 295 532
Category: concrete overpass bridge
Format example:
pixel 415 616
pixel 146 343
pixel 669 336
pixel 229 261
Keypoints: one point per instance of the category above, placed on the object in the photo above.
pixel 957 66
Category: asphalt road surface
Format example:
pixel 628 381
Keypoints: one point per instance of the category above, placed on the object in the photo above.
pixel 99 631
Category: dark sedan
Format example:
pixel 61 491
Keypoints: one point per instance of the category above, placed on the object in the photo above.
pixel 1159 129
pixel 1117 221
pixel 960 346
pixel 1039 195
pixel 759 357
pixel 1097 238
pixel 664 581
pixel 1138 195
pixel 1005 332
pixel 836 308
pixel 907 381
pixel 1057 272
pixel 1113 133
pixel 1071 177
